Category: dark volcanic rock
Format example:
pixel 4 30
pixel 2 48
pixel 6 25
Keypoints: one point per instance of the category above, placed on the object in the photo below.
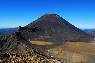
pixel 17 41
pixel 58 29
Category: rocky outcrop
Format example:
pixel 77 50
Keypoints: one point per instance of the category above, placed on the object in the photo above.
pixel 15 48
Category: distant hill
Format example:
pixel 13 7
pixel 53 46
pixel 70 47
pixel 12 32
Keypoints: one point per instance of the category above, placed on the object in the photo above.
pixel 90 31
pixel 5 31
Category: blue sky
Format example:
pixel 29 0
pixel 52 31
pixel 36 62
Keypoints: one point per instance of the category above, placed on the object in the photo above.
pixel 14 13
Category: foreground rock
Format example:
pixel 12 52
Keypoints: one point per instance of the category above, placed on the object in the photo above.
pixel 30 57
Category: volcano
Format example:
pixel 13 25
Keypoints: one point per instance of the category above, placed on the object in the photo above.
pixel 55 28
pixel 46 29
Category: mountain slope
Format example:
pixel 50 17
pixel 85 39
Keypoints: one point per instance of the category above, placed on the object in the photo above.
pixel 58 29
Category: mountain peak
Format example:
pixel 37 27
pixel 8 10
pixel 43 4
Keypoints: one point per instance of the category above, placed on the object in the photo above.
pixel 51 15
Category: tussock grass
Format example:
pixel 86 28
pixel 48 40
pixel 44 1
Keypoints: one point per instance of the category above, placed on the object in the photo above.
pixel 41 43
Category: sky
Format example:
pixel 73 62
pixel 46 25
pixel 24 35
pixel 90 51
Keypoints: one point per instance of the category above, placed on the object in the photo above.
pixel 14 13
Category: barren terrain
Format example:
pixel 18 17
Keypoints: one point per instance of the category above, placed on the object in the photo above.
pixel 75 52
